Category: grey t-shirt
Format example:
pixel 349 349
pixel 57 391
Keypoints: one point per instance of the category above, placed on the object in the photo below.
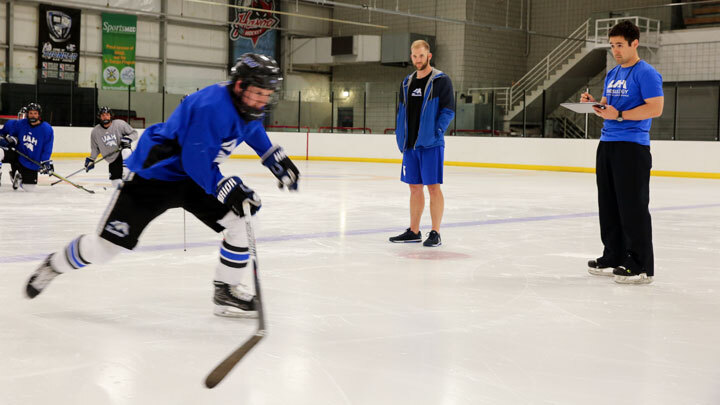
pixel 105 141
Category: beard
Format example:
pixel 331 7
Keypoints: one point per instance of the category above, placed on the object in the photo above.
pixel 424 65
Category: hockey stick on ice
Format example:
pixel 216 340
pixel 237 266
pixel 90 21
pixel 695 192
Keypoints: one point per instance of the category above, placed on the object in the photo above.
pixel 227 365
pixel 35 162
pixel 83 169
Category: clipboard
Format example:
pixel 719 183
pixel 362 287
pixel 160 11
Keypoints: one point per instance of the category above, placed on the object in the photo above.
pixel 582 108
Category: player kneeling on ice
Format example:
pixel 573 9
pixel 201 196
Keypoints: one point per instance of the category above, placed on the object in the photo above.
pixel 175 164
pixel 27 145
pixel 111 138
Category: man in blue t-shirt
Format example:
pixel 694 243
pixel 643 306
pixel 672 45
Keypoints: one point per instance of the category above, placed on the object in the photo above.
pixel 176 165
pixel 632 96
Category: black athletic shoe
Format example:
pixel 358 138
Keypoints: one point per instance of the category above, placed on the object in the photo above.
pixel 433 239
pixel 407 237
pixel 233 303
pixel 600 267
pixel 41 277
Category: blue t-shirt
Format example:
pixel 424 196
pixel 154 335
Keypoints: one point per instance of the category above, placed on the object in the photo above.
pixel 625 89
pixel 34 141
pixel 200 134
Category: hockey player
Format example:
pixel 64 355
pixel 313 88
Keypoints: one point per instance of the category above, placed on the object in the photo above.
pixel 107 138
pixel 5 130
pixel 32 137
pixel 176 164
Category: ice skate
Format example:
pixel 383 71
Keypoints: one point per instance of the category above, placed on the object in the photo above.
pixel 40 279
pixel 232 301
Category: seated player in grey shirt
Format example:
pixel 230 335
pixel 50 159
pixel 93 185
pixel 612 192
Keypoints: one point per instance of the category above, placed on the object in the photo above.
pixel 111 138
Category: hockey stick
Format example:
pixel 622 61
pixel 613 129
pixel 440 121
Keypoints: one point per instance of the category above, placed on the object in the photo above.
pixel 35 162
pixel 83 169
pixel 227 365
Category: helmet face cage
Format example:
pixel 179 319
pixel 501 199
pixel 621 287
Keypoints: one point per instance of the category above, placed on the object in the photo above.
pixel 104 110
pixel 259 71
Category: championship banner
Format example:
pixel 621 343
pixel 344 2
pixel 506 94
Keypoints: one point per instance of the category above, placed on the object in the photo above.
pixel 118 50
pixel 252 29
pixel 58 43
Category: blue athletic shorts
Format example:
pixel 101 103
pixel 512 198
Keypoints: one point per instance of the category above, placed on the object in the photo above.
pixel 423 166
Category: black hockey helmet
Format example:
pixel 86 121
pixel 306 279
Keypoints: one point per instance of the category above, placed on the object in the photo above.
pixel 103 110
pixel 34 107
pixel 257 70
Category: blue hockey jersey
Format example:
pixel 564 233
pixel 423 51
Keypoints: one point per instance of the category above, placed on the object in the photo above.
pixel 34 141
pixel 200 134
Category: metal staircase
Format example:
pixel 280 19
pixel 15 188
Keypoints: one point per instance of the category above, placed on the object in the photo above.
pixel 568 67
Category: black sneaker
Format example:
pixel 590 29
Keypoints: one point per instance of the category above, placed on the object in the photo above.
pixel 433 239
pixel 41 277
pixel 600 267
pixel 407 237
pixel 230 301
pixel 630 275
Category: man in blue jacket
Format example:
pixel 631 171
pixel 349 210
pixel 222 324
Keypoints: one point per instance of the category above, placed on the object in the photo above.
pixel 426 108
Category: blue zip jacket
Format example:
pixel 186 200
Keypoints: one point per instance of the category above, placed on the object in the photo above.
pixel 438 110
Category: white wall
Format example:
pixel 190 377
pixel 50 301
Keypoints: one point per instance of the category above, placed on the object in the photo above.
pixel 681 158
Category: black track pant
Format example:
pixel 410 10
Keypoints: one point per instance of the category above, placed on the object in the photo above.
pixel 623 182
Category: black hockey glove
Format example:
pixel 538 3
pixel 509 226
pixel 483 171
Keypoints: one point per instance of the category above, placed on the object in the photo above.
pixel 282 167
pixel 8 141
pixel 125 142
pixel 89 164
pixel 46 167
pixel 232 192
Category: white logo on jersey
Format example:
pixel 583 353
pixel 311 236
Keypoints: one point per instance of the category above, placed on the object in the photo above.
pixel 109 139
pixel 404 174
pixel 226 148
pixel 29 141
pixel 417 92
pixel 118 228
pixel 617 84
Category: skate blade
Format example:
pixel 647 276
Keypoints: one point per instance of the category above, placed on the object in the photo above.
pixel 633 280
pixel 232 312
pixel 600 272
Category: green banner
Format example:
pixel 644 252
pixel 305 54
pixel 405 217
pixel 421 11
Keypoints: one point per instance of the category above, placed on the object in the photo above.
pixel 118 39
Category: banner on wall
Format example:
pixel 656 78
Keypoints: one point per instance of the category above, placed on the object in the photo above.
pixel 252 28
pixel 58 43
pixel 118 50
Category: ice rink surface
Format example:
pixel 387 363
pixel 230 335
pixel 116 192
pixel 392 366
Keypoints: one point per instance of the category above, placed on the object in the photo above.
pixel 503 313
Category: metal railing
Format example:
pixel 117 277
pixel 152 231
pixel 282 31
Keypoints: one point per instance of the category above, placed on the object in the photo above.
pixel 649 30
pixel 552 62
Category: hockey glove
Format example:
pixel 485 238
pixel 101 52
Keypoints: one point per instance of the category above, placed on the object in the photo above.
pixel 46 167
pixel 282 167
pixel 89 164
pixel 232 192
pixel 8 141
pixel 125 142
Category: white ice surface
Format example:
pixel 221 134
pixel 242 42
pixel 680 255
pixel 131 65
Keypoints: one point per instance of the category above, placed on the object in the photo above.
pixel 503 313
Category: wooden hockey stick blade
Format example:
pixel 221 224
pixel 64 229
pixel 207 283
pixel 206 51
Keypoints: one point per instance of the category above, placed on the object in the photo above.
pixel 71 183
pixel 222 370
